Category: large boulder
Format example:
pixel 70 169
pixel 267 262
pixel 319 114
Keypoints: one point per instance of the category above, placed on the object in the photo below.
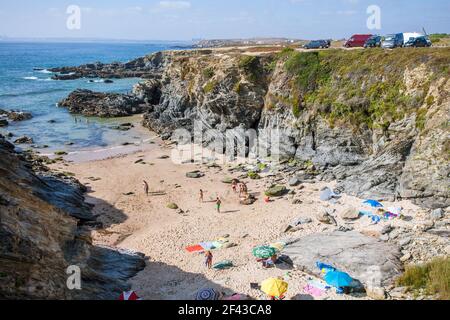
pixel 350 214
pixel 100 104
pixel 276 191
pixel 372 262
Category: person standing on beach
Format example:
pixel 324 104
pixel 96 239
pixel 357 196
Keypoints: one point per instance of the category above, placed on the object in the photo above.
pixel 218 204
pixel 145 185
pixel 208 259
pixel 234 186
pixel 200 196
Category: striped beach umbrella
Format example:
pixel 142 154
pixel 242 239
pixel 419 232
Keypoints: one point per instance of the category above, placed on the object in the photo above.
pixel 264 252
pixel 207 294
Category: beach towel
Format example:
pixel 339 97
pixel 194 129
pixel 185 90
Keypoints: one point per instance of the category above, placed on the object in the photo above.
pixel 196 248
pixel 319 284
pixel 315 292
pixel 207 245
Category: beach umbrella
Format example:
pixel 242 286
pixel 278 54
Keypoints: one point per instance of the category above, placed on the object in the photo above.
pixel 373 203
pixel 264 252
pixel 128 295
pixel 207 294
pixel 338 279
pixel 274 287
pixel 278 246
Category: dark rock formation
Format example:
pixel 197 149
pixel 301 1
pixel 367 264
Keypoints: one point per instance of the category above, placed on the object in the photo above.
pixel 44 229
pixel 24 140
pixel 13 116
pixel 99 104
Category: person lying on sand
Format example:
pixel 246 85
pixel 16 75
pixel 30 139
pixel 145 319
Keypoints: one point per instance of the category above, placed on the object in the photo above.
pixel 145 185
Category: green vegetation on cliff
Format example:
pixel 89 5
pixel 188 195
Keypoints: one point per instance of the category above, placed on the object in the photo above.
pixel 363 86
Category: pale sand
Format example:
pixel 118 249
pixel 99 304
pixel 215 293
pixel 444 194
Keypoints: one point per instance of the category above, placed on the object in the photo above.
pixel 145 224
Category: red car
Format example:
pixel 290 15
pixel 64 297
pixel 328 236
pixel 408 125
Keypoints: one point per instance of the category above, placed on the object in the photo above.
pixel 357 40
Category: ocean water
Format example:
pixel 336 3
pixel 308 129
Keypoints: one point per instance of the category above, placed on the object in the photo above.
pixel 22 88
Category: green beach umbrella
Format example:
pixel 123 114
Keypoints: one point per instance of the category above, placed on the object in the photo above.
pixel 264 252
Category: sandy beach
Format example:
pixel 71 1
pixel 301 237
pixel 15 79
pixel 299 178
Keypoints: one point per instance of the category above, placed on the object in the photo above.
pixel 143 223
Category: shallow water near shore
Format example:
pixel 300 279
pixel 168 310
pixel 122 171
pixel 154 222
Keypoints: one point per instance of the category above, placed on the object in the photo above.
pixel 26 85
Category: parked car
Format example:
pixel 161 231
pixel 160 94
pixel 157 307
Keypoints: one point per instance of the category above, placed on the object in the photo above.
pixel 418 42
pixel 373 42
pixel 392 41
pixel 408 35
pixel 357 40
pixel 317 44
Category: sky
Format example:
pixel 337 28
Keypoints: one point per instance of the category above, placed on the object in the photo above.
pixel 218 19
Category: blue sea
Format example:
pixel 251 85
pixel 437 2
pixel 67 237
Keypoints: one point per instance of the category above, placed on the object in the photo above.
pixel 22 88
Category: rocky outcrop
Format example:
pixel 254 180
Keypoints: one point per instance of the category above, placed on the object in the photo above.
pixel 45 228
pixel 376 121
pixel 370 261
pixel 6 116
pixel 139 68
pixel 372 121
pixel 218 91
pixel 99 104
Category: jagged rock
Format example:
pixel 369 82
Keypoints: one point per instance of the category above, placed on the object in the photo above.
pixel 387 229
pixel 42 232
pixel 301 220
pixel 19 116
pixel 3 122
pixel 325 217
pixel 350 214
pixel 294 181
pixel 99 104
pixel 437 214
pixel 276 191
pixel 248 201
pixel 195 174
pixel 365 259
pixel 24 140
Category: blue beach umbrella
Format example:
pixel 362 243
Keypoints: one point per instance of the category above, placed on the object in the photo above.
pixel 207 294
pixel 338 279
pixel 373 203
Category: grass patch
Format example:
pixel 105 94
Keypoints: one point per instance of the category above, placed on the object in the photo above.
pixel 252 67
pixel 433 277
pixel 210 86
pixel 208 73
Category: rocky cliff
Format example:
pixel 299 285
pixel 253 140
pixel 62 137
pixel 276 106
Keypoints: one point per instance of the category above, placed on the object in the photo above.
pixel 45 228
pixel 374 120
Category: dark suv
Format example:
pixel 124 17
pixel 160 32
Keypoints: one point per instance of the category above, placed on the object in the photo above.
pixel 317 44
pixel 373 42
pixel 418 42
